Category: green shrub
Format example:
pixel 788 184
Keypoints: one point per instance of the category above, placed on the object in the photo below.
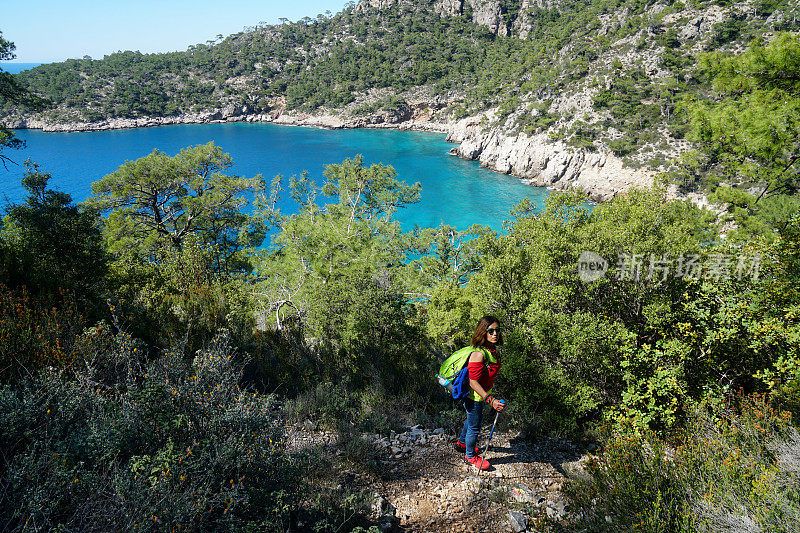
pixel 669 39
pixel 632 486
pixel 742 458
pixel 624 146
pixel 36 332
pixel 356 447
pixel 725 32
pixel 733 465
pixel 337 508
pixel 380 412
pixel 327 403
pixel 179 446
pixel 366 109
pixel 582 135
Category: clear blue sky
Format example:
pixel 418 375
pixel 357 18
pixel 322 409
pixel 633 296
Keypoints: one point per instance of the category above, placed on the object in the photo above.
pixel 54 30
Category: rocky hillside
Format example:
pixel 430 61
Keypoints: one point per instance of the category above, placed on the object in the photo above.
pixel 585 93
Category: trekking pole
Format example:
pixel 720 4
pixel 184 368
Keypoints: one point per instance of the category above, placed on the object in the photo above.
pixel 488 442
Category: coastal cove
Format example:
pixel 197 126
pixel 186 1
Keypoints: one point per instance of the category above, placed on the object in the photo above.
pixel 454 191
pixel 536 159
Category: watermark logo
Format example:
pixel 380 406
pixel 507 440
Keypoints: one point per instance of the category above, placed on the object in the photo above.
pixel 635 267
pixel 591 266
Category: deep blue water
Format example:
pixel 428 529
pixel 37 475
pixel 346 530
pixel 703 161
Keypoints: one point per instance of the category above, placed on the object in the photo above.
pixel 16 68
pixel 454 191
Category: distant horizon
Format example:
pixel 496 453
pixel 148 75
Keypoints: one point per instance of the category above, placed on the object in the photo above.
pixel 83 28
pixel 17 67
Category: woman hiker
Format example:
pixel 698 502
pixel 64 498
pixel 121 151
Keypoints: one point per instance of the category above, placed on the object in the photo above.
pixel 482 371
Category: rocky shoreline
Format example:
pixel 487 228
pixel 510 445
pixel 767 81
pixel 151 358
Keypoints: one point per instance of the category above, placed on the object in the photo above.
pixel 401 121
pixel 540 161
pixel 536 159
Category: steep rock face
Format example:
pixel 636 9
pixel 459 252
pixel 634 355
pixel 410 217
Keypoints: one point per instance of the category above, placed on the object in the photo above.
pixel 700 24
pixel 484 12
pixel 488 13
pixel 522 26
pixel 525 18
pixel 379 4
pixel 449 7
pixel 540 161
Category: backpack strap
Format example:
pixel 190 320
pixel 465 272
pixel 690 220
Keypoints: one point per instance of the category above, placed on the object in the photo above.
pixel 487 356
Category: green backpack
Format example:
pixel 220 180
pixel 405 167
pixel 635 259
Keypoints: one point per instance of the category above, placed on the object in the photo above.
pixel 453 373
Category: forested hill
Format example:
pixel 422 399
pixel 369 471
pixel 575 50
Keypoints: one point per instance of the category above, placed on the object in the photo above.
pixel 609 75
pixel 163 367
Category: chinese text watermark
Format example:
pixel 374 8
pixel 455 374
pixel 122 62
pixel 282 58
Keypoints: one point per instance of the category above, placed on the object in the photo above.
pixel 651 267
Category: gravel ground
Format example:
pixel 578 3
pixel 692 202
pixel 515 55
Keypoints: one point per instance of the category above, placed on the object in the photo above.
pixel 425 484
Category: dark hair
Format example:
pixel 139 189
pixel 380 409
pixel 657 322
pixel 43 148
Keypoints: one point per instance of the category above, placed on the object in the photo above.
pixel 479 337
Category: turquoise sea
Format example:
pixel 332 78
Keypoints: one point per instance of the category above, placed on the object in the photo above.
pixel 454 191
pixel 16 68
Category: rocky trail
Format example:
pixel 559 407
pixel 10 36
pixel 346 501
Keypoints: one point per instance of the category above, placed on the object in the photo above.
pixel 420 483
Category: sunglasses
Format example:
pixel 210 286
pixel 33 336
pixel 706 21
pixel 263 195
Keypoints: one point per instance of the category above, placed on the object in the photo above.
pixel 492 331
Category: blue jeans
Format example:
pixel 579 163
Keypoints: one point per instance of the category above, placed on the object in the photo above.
pixel 472 426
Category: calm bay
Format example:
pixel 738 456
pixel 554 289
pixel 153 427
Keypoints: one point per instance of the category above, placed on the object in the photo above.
pixel 454 191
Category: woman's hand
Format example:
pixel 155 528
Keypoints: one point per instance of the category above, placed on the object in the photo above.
pixel 498 405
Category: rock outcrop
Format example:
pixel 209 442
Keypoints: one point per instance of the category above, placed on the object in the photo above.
pixel 414 116
pixel 540 161
pixel 449 7
pixel 487 13
pixel 525 18
pixel 375 4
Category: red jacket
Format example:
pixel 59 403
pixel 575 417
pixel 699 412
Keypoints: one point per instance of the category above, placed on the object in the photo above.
pixel 484 373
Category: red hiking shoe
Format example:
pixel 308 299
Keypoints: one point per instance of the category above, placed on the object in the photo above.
pixel 461 447
pixel 477 462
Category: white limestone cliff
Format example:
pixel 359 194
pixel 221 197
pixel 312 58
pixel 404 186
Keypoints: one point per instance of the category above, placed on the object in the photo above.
pixel 540 161
pixel 484 12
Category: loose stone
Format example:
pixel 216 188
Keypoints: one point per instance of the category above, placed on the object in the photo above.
pixel 518 521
